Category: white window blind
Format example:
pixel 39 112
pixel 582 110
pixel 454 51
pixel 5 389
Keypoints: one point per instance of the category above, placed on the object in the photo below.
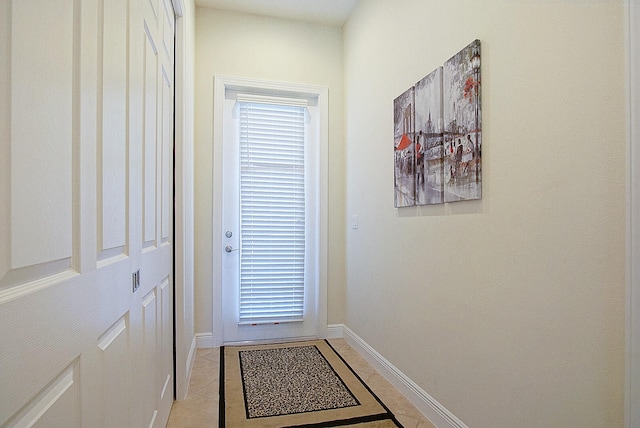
pixel 272 212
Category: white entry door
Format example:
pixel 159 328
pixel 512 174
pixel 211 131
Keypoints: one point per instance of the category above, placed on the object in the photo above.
pixel 270 222
pixel 86 287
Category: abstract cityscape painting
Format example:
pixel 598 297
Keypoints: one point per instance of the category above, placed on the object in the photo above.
pixel 438 134
pixel 463 129
pixel 429 139
pixel 404 148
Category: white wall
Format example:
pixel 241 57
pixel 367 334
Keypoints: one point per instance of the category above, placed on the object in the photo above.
pixel 241 45
pixel 510 310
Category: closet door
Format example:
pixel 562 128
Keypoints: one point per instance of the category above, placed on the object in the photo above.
pixel 85 249
pixel 152 39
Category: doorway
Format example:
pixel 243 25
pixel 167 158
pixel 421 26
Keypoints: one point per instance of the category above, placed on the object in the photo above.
pixel 239 318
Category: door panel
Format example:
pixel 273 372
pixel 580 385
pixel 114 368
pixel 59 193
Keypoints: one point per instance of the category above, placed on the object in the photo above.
pixel 167 154
pixel 112 142
pixel 114 348
pixel 44 201
pixel 52 406
pixel 150 147
pixel 150 350
pixel 86 137
pixel 166 340
pixel 168 28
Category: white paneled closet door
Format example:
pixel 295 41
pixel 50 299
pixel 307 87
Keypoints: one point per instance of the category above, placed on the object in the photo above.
pixel 86 167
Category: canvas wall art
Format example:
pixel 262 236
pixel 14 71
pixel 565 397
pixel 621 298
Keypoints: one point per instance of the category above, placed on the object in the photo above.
pixel 438 134
pixel 463 125
pixel 404 149
pixel 429 139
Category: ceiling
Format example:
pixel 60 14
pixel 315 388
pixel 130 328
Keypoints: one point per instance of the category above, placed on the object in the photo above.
pixel 327 12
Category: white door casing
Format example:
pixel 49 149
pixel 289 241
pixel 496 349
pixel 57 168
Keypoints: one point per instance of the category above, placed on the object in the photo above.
pixel 86 117
pixel 225 328
pixel 185 343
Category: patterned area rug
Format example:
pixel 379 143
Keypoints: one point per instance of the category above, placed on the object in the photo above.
pixel 301 384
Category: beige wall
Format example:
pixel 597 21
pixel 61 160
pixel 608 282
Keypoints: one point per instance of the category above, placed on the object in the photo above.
pixel 241 45
pixel 510 310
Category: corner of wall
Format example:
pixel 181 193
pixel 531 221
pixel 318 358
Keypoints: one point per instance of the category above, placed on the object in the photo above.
pixel 425 403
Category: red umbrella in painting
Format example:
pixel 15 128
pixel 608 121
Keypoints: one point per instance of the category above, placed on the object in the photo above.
pixel 404 142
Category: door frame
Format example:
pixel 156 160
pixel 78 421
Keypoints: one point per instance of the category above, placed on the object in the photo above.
pixel 183 241
pixel 221 84
pixel 632 57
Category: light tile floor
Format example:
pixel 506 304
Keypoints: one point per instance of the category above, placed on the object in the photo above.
pixel 200 409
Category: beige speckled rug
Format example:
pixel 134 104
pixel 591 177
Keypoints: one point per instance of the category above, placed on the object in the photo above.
pixel 300 384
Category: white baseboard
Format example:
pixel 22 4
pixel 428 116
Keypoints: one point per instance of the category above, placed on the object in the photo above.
pixel 335 331
pixel 183 389
pixel 191 358
pixel 204 340
pixel 429 406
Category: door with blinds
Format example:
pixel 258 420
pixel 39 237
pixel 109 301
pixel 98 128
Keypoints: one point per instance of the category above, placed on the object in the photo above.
pixel 269 268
